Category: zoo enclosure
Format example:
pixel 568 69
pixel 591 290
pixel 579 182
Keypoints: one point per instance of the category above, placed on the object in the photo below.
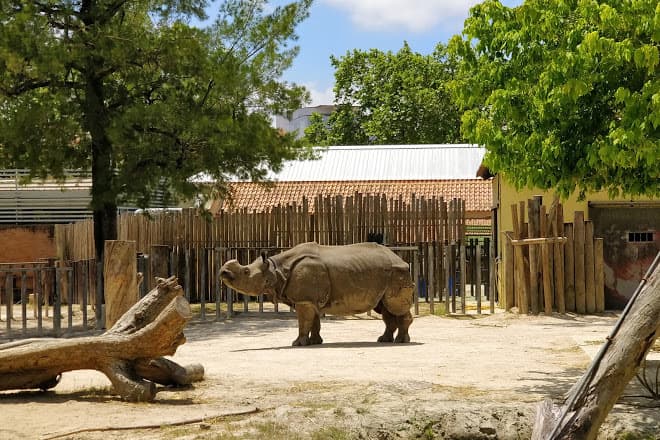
pixel 430 234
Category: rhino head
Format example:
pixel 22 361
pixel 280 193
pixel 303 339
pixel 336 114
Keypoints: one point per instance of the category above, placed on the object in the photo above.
pixel 254 279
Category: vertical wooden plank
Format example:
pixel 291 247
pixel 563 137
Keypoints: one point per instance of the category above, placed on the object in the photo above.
pixel 578 245
pixel 599 275
pixel 558 256
pixel 416 273
pixel 547 287
pixel 569 268
pixel 478 278
pixel 520 270
pixel 431 280
pixel 589 277
pixel 534 231
pixel 462 275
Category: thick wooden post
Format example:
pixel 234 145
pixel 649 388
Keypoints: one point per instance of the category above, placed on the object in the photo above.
pixel 521 271
pixel 160 263
pixel 578 243
pixel 589 278
pixel 599 275
pixel 569 268
pixel 119 279
pixel 508 262
pixel 534 231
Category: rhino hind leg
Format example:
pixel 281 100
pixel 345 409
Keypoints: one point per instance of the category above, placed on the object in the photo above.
pixel 315 337
pixel 390 323
pixel 308 322
pixel 403 322
pixel 396 313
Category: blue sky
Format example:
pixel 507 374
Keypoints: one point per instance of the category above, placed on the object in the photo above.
pixel 337 26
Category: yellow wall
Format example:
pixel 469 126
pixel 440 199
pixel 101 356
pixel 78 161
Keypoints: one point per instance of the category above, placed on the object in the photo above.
pixel 505 195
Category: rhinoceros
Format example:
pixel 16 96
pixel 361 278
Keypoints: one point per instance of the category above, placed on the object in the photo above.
pixel 337 280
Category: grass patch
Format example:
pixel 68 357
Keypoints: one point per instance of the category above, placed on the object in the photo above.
pixel 331 433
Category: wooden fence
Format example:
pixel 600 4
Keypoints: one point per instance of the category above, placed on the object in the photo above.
pixel 551 265
pixel 332 220
pixel 428 233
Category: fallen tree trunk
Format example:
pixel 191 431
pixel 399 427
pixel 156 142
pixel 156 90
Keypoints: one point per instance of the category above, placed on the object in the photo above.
pixel 594 395
pixel 129 353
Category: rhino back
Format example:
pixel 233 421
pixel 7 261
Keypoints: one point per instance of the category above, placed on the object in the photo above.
pixel 358 275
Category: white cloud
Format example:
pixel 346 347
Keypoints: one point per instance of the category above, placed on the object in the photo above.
pixel 320 96
pixel 413 15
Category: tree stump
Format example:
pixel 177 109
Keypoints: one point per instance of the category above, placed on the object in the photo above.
pixel 129 353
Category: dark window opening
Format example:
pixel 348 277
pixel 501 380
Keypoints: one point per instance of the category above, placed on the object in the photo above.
pixel 640 237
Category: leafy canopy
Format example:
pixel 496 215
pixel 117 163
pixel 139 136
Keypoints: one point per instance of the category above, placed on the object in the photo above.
pixel 136 93
pixel 564 94
pixel 389 98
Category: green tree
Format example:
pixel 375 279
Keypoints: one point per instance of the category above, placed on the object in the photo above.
pixel 564 94
pixel 390 98
pixel 132 91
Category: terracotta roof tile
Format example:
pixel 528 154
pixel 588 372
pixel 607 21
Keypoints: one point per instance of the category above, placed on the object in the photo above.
pixel 477 193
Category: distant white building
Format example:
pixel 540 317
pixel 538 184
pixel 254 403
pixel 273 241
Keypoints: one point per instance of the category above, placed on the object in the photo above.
pixel 300 119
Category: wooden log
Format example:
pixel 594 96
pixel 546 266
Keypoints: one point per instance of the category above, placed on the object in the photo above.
pixel 528 241
pixel 569 268
pixel 119 279
pixel 578 246
pixel 129 353
pixel 589 278
pixel 599 274
pixel 590 400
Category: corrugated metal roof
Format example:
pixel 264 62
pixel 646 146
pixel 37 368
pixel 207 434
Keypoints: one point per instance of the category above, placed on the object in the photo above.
pixel 387 162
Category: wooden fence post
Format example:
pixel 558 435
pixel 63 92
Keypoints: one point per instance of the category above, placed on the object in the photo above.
pixel 589 278
pixel 578 242
pixel 509 277
pixel 569 268
pixel 534 231
pixel 120 279
pixel 159 261
pixel 599 275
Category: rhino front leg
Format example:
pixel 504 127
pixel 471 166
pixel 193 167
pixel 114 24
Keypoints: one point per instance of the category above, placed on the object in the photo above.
pixel 306 314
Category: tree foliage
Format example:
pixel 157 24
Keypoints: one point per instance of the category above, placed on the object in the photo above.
pixel 390 98
pixel 136 93
pixel 564 94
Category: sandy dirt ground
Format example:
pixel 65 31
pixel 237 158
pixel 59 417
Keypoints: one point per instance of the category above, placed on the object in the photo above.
pixel 460 378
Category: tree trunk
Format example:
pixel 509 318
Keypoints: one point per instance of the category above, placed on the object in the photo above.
pixel 594 395
pixel 129 353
